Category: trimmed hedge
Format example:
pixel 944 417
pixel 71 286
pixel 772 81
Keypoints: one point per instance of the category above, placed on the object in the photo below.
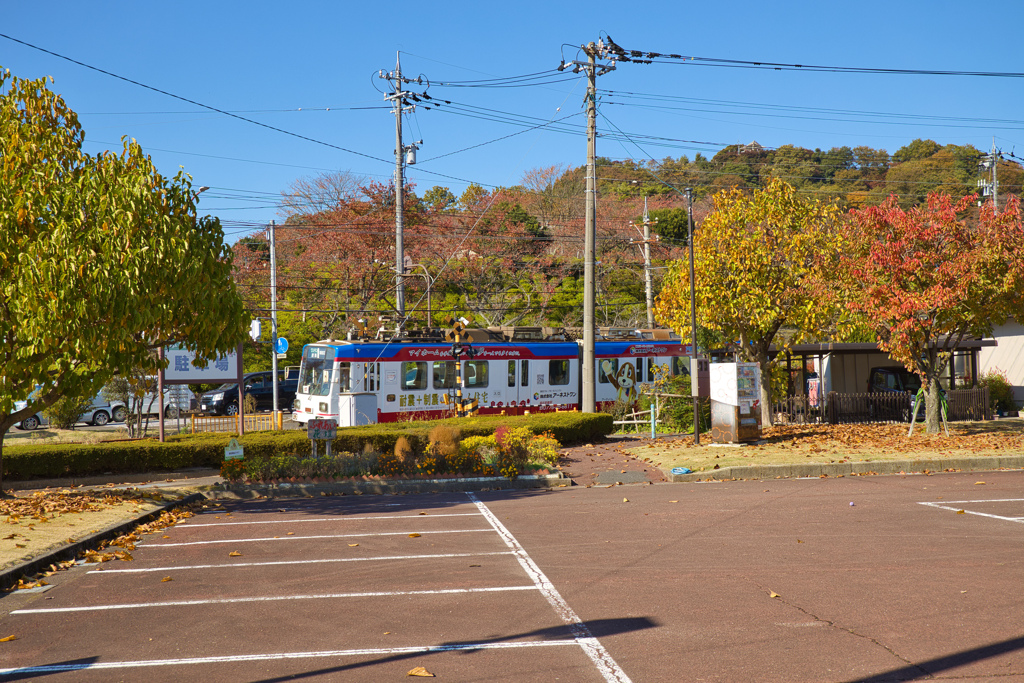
pixel 207 450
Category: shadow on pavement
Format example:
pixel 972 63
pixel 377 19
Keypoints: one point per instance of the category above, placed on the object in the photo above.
pixel 929 669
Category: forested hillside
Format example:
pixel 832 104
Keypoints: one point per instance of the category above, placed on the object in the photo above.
pixel 513 256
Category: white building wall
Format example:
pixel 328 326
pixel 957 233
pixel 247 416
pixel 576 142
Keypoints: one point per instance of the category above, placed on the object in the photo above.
pixel 1007 356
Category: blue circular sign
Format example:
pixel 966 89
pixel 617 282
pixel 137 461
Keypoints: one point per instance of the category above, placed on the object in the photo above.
pixel 282 345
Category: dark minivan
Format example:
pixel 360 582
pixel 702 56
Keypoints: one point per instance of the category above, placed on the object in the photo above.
pixel 260 385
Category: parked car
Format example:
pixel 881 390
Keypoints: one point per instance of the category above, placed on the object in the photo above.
pixel 893 379
pixel 224 399
pixel 99 413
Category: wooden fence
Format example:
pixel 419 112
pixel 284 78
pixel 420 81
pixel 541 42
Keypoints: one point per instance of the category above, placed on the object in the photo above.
pixel 969 404
pixel 256 422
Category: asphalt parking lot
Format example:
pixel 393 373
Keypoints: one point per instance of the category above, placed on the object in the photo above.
pixel 855 579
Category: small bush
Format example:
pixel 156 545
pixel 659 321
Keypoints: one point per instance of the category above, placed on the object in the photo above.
pixel 513 450
pixel 1000 391
pixel 67 411
pixel 544 448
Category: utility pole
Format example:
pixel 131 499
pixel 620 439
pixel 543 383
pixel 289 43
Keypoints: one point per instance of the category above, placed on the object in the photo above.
pixel 273 313
pixel 400 105
pixel 694 380
pixel 648 275
pixel 990 187
pixel 588 400
pixel 995 180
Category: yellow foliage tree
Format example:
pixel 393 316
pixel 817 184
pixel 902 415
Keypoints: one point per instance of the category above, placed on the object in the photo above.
pixel 761 262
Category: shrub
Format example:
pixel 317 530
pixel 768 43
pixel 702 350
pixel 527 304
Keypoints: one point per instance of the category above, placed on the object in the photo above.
pixel 513 450
pixel 67 411
pixel 544 448
pixel 1000 391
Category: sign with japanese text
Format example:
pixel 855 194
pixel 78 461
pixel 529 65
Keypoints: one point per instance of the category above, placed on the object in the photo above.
pixel 322 429
pixel 180 367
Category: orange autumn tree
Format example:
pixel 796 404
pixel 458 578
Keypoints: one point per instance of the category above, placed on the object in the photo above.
pixel 759 261
pixel 930 276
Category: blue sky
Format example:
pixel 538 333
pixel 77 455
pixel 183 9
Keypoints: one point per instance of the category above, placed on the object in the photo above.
pixel 285 64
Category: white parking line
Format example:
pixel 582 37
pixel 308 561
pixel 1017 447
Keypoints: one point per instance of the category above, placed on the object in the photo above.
pixel 593 648
pixel 286 562
pixel 331 519
pixel 945 505
pixel 307 538
pixel 426 649
pixel 271 598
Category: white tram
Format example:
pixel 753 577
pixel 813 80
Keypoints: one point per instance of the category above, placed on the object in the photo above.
pixel 514 370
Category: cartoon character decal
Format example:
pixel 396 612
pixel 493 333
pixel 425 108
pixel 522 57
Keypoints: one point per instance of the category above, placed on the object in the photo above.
pixel 624 380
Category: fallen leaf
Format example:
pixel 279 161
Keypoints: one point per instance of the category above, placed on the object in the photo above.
pixel 625 500
pixel 773 594
pixel 414 535
pixel 166 579
pixel 978 482
pixel 960 512
pixel 19 545
pixel 420 671
pixel 8 639
pixel 673 501
pixel 165 536
pixel 291 533
pixel 799 541
pixel 234 553
pixel 352 545
pixel 423 513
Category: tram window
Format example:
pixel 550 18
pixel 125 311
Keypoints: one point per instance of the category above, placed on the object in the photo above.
pixel 370 376
pixel 511 373
pixel 414 375
pixel 679 366
pixel 558 372
pixel 609 367
pixel 651 364
pixel 476 373
pixel 524 377
pixel 444 374
pixel 640 369
pixel 344 377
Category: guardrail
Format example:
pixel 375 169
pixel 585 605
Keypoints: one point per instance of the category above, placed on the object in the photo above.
pixel 257 422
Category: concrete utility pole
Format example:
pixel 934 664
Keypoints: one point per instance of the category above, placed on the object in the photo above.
pixel 400 103
pixel 995 179
pixel 588 400
pixel 648 275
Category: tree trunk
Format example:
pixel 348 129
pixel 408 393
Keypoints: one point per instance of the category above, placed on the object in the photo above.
pixel 932 407
pixel 766 390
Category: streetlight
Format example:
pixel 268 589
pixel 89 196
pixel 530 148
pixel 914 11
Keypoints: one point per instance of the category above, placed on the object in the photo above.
pixel 694 380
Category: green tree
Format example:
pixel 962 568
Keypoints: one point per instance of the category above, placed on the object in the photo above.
pixel 756 261
pixel 918 149
pixel 102 259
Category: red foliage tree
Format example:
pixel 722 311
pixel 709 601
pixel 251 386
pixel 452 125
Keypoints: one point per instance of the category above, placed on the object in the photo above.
pixel 927 277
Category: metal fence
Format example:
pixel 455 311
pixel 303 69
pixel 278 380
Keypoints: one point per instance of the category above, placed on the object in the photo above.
pixel 962 405
pixel 796 410
pixel 257 422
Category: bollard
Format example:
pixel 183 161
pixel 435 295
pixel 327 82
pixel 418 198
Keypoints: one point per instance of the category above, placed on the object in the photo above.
pixel 653 423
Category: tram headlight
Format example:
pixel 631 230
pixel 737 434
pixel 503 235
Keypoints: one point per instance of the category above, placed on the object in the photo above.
pixel 323 407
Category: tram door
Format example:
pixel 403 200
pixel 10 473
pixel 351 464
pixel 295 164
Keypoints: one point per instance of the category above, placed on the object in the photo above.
pixel 519 394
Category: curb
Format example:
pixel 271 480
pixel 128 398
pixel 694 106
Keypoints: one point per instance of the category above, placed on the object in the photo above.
pixel 847 469
pixel 349 487
pixel 104 479
pixel 9 577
